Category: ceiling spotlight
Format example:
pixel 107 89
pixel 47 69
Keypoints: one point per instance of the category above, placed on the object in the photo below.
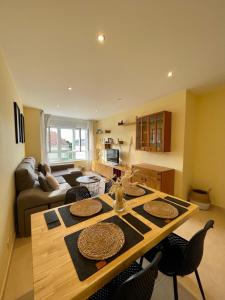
pixel 101 38
pixel 69 88
pixel 170 74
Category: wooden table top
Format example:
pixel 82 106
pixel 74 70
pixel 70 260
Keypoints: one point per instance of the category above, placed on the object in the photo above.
pixel 53 271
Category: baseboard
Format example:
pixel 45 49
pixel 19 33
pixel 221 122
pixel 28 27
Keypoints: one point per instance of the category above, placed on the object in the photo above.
pixel 2 289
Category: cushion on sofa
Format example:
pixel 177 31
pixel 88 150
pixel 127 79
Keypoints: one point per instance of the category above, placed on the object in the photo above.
pixel 52 181
pixel 44 183
pixel 47 168
pixel 41 169
pixel 25 176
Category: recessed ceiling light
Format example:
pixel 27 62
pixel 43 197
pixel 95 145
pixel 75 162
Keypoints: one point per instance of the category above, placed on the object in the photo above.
pixel 170 74
pixel 69 88
pixel 101 38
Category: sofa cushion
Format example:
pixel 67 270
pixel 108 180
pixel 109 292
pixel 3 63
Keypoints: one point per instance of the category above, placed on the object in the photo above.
pixel 47 168
pixel 25 176
pixel 41 169
pixel 44 183
pixel 52 181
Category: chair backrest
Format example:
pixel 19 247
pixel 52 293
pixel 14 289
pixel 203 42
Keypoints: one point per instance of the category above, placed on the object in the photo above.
pixel 108 186
pixel 140 286
pixel 77 193
pixel 109 183
pixel 194 250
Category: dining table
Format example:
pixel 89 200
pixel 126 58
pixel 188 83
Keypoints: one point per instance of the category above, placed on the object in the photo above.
pixel 55 269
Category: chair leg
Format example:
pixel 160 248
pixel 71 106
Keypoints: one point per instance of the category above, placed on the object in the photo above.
pixel 199 284
pixel 175 287
pixel 141 261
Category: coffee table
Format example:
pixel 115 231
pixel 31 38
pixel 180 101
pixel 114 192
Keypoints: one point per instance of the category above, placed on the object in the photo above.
pixel 91 183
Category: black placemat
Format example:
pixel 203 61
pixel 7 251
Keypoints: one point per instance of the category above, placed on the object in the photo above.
pixel 128 197
pixel 51 219
pixel 140 226
pixel 177 201
pixel 86 267
pixel 158 221
pixel 70 220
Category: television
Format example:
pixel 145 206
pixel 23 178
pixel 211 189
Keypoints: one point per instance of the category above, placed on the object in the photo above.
pixel 112 156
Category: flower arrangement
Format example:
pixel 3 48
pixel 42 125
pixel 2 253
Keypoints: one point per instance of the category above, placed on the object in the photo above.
pixel 119 186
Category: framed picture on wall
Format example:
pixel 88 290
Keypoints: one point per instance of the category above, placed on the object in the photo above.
pixel 17 122
pixel 19 125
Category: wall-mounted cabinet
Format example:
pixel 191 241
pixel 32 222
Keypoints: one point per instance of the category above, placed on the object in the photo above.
pixel 153 132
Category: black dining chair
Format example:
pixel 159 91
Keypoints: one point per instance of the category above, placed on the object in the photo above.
pixel 181 257
pixel 76 193
pixel 109 183
pixel 132 284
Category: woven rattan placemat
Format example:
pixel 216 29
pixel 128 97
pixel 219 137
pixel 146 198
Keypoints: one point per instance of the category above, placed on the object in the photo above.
pixel 158 221
pixel 127 197
pixel 70 220
pixel 86 267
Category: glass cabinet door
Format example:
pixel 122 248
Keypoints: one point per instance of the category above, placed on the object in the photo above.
pixel 152 132
pixel 138 133
pixel 159 132
pixel 144 133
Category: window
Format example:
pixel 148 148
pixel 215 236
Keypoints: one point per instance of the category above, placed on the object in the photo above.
pixel 67 144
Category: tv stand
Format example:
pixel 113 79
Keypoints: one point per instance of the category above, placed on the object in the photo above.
pixel 108 170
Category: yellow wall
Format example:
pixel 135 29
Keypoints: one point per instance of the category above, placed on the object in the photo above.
pixel 209 159
pixel 10 156
pixel 176 104
pixel 33 146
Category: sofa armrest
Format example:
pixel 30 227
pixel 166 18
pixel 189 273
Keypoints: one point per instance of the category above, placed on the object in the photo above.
pixel 36 197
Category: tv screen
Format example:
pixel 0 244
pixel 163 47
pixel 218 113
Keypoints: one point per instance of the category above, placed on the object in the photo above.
pixel 112 155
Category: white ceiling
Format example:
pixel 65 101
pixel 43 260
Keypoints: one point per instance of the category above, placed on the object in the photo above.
pixel 51 44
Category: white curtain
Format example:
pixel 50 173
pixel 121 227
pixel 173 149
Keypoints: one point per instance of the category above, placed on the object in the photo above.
pixel 45 119
pixel 91 153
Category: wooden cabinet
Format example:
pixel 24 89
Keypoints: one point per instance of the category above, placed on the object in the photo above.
pixel 153 132
pixel 107 170
pixel 156 177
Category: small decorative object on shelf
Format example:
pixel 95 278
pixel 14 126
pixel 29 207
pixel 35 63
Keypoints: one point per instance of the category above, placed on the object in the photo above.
pixel 99 131
pixel 107 131
pixel 120 123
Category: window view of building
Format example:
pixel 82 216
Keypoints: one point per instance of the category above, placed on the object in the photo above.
pixel 67 144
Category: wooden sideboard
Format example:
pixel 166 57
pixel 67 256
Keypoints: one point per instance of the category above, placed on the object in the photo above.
pixel 156 177
pixel 107 170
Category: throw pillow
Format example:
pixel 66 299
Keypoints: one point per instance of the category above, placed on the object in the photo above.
pixel 44 183
pixel 52 181
pixel 47 168
pixel 41 169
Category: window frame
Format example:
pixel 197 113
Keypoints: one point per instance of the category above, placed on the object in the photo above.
pixel 59 150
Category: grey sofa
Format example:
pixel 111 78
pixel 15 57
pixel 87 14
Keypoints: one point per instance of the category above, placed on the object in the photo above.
pixel 31 198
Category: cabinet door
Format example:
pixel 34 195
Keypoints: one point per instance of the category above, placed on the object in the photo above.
pixel 160 132
pixel 153 182
pixel 145 133
pixel 138 133
pixel 152 133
